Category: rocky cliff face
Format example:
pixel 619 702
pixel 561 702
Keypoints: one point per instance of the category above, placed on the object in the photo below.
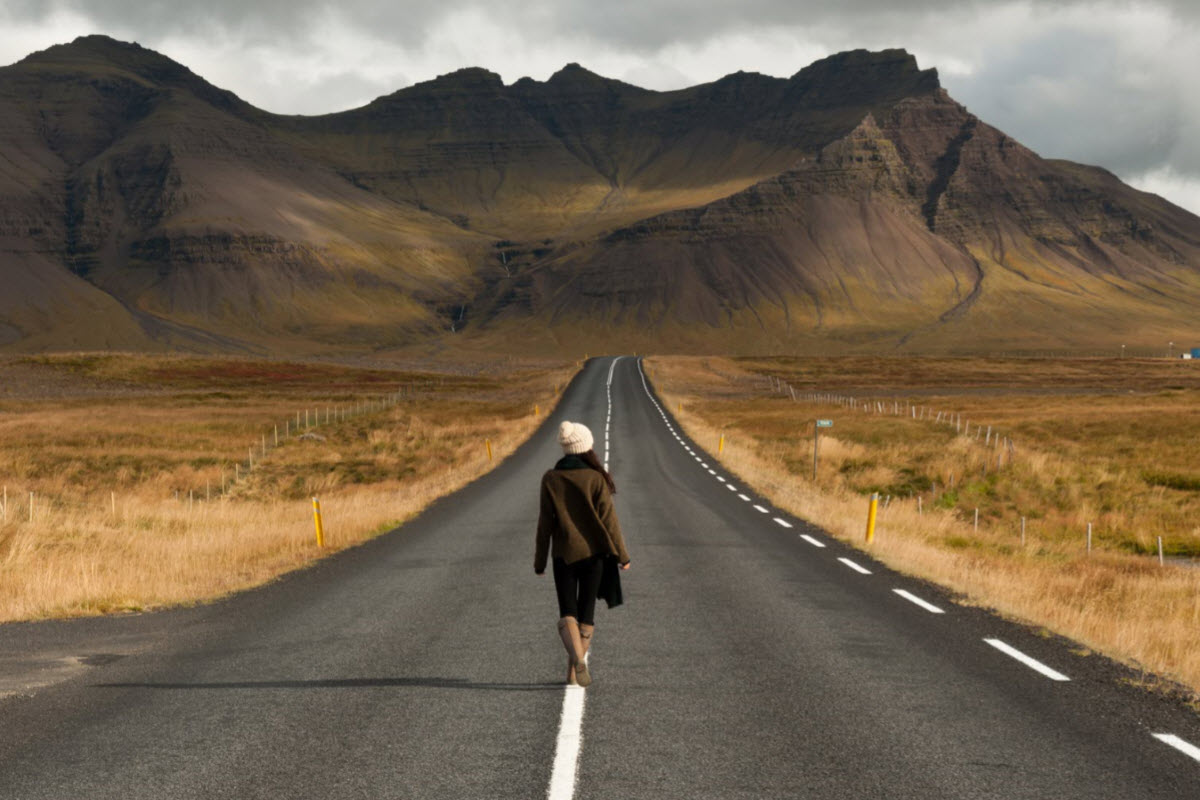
pixel 852 205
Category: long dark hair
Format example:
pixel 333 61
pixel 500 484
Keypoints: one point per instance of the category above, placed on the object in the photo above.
pixel 592 460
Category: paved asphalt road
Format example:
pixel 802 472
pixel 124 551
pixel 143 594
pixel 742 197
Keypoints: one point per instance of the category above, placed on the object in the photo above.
pixel 747 662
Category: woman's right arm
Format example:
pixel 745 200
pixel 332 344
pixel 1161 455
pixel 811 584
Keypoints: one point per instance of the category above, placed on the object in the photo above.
pixel 547 519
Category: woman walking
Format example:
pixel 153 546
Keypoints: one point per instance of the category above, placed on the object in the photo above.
pixel 578 526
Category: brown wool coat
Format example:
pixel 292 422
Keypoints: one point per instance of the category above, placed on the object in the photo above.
pixel 577 518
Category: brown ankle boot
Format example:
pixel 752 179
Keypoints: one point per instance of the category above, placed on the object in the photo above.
pixel 585 636
pixel 568 630
pixel 585 639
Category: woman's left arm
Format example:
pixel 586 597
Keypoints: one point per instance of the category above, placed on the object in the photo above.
pixel 608 517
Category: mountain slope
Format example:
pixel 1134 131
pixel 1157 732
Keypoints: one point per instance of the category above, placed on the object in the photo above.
pixel 175 199
pixel 931 231
pixel 854 205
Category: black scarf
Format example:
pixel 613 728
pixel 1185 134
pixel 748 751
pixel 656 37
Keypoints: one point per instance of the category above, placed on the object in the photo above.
pixel 571 461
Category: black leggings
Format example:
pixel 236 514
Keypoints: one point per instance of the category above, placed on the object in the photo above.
pixel 576 585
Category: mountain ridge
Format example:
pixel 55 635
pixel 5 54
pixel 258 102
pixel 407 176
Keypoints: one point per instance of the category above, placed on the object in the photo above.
pixel 852 205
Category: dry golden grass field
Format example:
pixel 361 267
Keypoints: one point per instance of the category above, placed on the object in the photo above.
pixel 132 482
pixel 1110 443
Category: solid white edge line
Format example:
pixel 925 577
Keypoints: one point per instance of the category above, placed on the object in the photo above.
pixel 1032 663
pixel 1185 747
pixel 566 751
pixel 811 540
pixel 912 598
pixel 742 496
pixel 859 569
pixel 760 509
pixel 783 523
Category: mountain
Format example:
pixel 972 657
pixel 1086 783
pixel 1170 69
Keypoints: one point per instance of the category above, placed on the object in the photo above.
pixel 852 206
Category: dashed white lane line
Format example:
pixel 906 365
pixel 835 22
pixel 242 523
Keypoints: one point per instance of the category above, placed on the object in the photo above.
pixel 912 598
pixel 566 752
pixel 731 487
pixel 712 472
pixel 1167 738
pixel 1032 663
pixel 861 570
pixel 1185 747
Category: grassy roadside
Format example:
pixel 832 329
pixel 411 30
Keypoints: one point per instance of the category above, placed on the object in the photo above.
pixel 158 480
pixel 1102 443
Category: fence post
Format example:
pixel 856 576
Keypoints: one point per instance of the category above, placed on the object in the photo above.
pixel 317 521
pixel 872 510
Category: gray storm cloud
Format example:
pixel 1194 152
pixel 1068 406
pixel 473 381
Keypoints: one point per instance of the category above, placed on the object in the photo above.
pixel 634 24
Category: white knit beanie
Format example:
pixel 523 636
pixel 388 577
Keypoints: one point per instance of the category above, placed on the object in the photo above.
pixel 574 437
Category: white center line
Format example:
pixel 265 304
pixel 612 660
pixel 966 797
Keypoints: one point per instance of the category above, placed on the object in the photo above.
pixel 747 499
pixel 760 509
pixel 811 540
pixel 712 472
pixel 731 487
pixel 566 752
pixel 1032 663
pixel 783 523
pixel 912 598
pixel 722 480
pixel 1187 748
pixel 859 569
pixel 570 726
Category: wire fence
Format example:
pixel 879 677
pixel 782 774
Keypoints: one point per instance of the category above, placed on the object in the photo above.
pixel 18 504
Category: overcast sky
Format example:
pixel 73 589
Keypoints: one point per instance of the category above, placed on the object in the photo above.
pixel 1107 82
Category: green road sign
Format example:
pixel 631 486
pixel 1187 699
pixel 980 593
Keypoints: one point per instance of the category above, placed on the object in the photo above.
pixel 824 423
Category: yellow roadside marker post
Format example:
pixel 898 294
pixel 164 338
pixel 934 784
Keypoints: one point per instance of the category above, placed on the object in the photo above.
pixel 874 508
pixel 317 521
pixel 721 445
pixel 488 442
